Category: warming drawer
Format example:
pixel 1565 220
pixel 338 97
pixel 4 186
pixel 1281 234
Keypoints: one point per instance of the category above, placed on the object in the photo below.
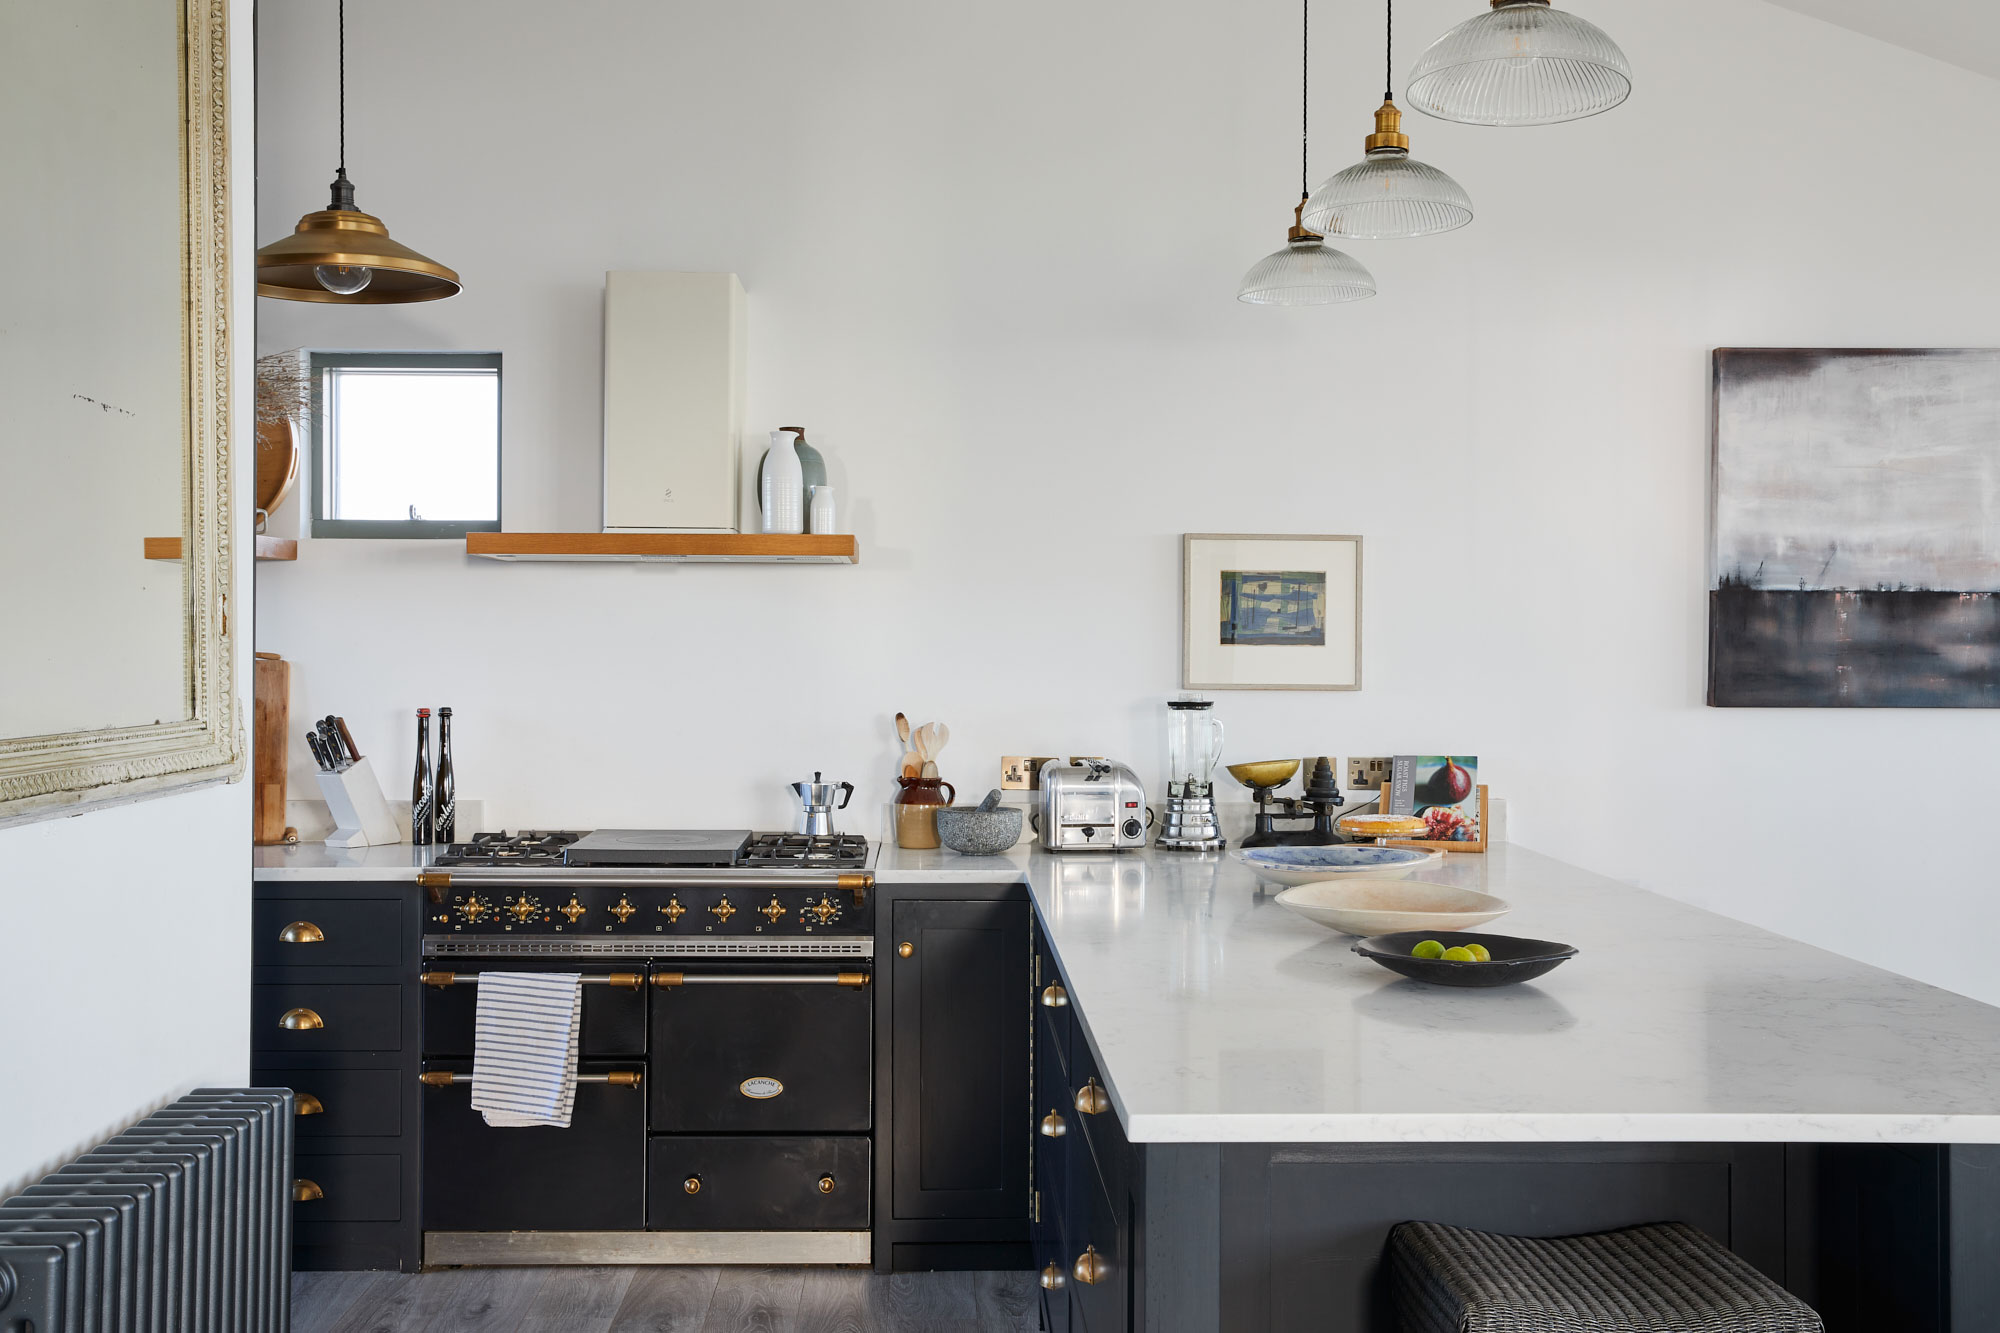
pixel 761 1183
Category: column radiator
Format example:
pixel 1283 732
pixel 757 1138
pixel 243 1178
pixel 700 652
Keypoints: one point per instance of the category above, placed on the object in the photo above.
pixel 182 1224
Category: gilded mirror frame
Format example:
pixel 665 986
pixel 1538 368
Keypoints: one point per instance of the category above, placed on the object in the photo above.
pixel 43 777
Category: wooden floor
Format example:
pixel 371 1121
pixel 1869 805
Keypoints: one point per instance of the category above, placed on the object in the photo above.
pixel 662 1300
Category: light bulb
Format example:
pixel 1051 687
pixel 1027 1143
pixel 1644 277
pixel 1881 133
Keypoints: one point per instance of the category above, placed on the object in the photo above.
pixel 343 279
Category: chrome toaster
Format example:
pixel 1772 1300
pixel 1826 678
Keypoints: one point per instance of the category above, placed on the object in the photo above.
pixel 1089 805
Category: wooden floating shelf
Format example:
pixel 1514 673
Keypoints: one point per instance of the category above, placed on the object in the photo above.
pixel 688 548
pixel 268 548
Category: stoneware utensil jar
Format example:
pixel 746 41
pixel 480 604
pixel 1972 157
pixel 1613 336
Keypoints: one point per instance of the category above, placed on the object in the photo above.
pixel 917 805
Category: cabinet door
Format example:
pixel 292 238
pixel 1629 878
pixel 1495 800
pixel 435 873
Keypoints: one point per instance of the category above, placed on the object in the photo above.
pixel 960 1024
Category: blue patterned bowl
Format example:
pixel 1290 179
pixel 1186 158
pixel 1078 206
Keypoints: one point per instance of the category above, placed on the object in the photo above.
pixel 1309 865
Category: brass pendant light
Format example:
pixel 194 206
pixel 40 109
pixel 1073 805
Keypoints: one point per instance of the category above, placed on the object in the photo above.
pixel 344 256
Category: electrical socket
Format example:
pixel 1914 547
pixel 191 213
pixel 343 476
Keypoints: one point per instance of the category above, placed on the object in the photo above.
pixel 1020 772
pixel 1366 773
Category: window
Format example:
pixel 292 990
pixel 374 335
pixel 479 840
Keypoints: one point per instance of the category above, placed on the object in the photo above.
pixel 406 444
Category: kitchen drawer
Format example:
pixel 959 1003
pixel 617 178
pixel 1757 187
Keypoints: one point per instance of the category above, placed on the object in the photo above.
pixel 588 1177
pixel 355 1103
pixel 1095 1234
pixel 1052 1005
pixel 1053 1099
pixel 614 1019
pixel 757 1183
pixel 353 1018
pixel 1100 1129
pixel 355 1187
pixel 1046 1241
pixel 358 932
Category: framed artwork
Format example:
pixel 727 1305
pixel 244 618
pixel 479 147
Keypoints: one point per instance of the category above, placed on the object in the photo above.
pixel 1270 612
pixel 1855 528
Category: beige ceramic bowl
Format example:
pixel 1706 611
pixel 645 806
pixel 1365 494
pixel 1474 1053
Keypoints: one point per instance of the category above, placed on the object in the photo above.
pixel 1359 906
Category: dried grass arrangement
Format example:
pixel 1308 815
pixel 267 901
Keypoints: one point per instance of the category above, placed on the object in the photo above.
pixel 284 387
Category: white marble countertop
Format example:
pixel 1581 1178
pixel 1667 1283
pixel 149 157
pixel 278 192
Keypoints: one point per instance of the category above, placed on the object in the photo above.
pixel 1217 1016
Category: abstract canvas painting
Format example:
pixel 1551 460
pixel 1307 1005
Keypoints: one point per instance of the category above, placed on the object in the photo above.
pixel 1855 522
pixel 1285 607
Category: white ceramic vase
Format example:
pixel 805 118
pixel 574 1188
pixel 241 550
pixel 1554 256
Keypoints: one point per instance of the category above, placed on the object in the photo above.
pixel 821 516
pixel 782 486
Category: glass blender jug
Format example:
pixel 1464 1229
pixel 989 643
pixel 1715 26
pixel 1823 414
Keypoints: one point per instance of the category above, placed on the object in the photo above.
pixel 1194 745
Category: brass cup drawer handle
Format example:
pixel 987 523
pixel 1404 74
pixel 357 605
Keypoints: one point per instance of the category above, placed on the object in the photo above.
pixel 300 1020
pixel 1053 1126
pixel 692 1184
pixel 1052 1278
pixel 304 1103
pixel 302 932
pixel 826 1184
pixel 905 949
pixel 1091 1267
pixel 1092 1099
pixel 1055 997
pixel 305 1191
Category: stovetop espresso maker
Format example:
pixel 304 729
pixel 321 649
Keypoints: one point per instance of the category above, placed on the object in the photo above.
pixel 816 799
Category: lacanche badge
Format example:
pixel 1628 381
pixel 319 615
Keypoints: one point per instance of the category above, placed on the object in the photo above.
pixel 760 1088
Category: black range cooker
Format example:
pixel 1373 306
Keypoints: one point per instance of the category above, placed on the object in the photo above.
pixel 724 1099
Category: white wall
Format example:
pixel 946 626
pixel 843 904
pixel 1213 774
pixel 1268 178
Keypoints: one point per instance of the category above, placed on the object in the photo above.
pixel 991 255
pixel 125 933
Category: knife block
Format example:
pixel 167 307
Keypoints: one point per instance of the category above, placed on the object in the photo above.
pixel 361 817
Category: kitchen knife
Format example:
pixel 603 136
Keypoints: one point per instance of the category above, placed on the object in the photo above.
pixel 319 755
pixel 331 742
pixel 347 739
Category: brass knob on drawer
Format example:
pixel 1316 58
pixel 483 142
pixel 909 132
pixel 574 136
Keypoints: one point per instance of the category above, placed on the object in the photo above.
pixel 1055 997
pixel 305 1191
pixel 300 1020
pixel 826 1184
pixel 302 932
pixel 1091 1267
pixel 1092 1099
pixel 905 949
pixel 304 1103
pixel 1052 1278
pixel 1053 1126
pixel 692 1184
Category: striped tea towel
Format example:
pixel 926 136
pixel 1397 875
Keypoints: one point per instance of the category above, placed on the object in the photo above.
pixel 524 1047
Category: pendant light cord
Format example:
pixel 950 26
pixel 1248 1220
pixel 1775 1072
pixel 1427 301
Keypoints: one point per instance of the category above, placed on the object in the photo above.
pixel 1305 91
pixel 343 87
pixel 1388 54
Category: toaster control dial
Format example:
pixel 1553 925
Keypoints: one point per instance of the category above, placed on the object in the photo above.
pixel 1133 828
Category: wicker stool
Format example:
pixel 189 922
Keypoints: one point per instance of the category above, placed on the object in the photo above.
pixel 1667 1278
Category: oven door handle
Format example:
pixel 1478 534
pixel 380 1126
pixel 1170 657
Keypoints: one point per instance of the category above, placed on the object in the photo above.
pixel 438 1078
pixel 856 980
pixel 620 980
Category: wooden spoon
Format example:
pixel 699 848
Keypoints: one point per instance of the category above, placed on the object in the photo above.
pixel 903 731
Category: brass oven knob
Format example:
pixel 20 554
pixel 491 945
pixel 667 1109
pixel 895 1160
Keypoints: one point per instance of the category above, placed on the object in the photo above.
pixel 1055 997
pixel 692 1184
pixel 1092 1099
pixel 302 932
pixel 1053 1126
pixel 305 1191
pixel 572 909
pixel 826 1184
pixel 623 909
pixel 722 911
pixel 1091 1267
pixel 475 909
pixel 772 910
pixel 1052 1278
pixel 905 949
pixel 304 1103
pixel 825 910
pixel 523 908
pixel 300 1020
pixel 673 911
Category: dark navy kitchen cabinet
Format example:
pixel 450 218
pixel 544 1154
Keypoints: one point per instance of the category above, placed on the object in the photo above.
pixel 333 1012
pixel 954 1176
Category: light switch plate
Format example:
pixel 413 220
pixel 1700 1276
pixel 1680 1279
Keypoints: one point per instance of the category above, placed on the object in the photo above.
pixel 1366 773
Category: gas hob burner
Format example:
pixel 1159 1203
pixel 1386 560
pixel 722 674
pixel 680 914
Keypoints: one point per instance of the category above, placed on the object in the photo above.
pixel 529 847
pixel 843 851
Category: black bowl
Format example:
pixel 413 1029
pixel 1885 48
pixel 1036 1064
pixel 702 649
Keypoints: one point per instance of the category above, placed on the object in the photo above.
pixel 1514 959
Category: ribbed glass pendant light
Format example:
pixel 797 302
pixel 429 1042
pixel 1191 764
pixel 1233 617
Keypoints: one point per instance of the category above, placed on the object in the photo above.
pixel 1306 271
pixel 1388 194
pixel 341 254
pixel 1521 63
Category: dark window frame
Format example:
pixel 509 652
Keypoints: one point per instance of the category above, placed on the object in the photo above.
pixel 321 365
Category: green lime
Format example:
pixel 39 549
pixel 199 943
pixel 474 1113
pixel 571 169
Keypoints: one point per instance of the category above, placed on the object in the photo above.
pixel 1480 953
pixel 1427 949
pixel 1460 954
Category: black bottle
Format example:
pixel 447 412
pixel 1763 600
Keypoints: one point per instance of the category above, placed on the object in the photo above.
pixel 420 784
pixel 446 806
